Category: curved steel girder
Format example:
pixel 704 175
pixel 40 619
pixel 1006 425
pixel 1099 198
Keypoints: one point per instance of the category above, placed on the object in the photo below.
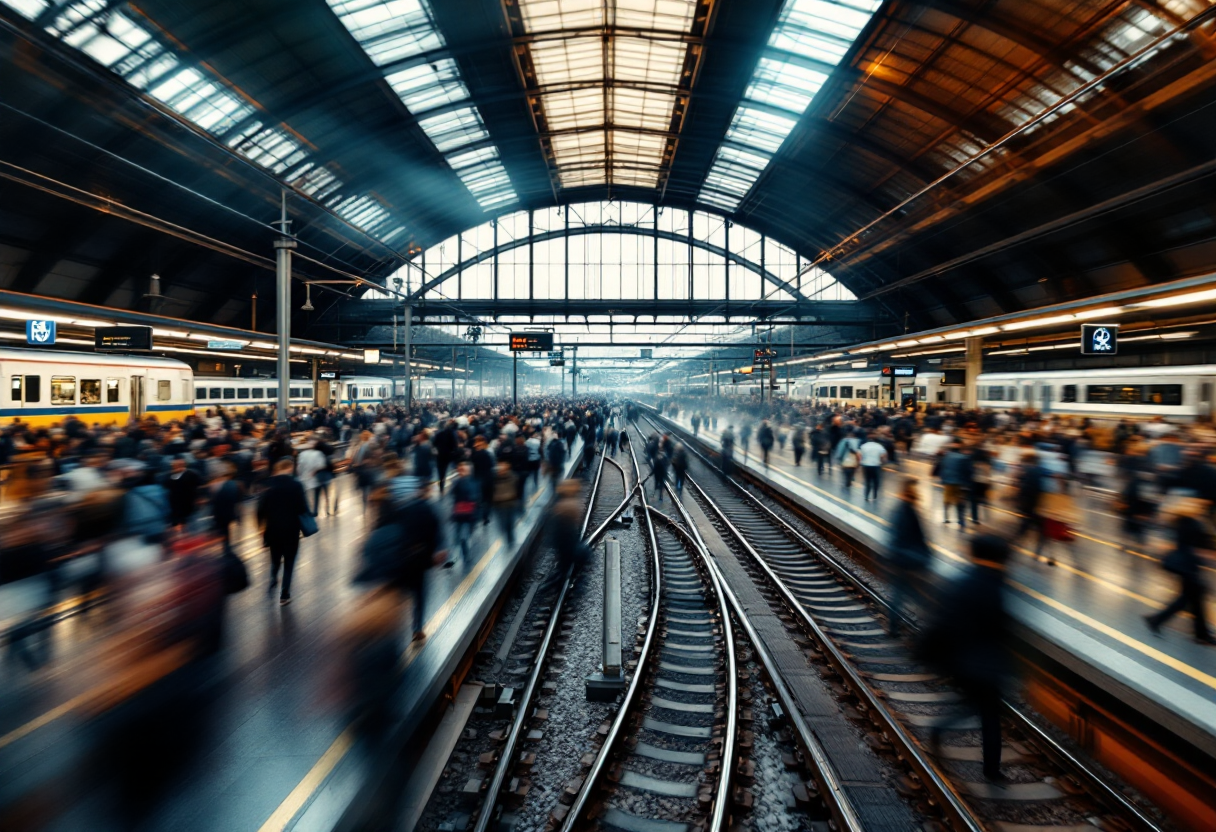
pixel 509 245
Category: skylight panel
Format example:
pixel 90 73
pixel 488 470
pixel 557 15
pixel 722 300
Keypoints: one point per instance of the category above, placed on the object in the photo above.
pixel 643 109
pixel 270 147
pixel 821 31
pixel 568 61
pixel 389 30
pixel 454 128
pixel 575 109
pixel 554 15
pixel 648 61
pixel 27 8
pixel 316 181
pixel 429 85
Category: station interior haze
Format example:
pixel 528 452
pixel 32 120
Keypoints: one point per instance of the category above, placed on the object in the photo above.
pixel 635 415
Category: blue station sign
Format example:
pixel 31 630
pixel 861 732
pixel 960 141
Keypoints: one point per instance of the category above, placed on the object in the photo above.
pixel 40 333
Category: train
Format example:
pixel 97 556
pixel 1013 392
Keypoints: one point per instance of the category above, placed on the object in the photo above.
pixel 870 388
pixel 45 387
pixel 1182 393
pixel 243 393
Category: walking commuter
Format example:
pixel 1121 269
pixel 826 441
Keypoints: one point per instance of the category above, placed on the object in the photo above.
pixel 1192 543
pixel 954 469
pixel 696 424
pixel 970 643
pixel 565 534
pixel 506 500
pixel 421 548
pixel 445 446
pixel 1029 500
pixel 483 465
pixel 611 438
pixel 555 455
pixel 871 456
pixel 226 494
pixel 424 456
pixel 533 444
pixel 309 465
pixel 679 466
pixel 907 552
pixel 279 511
pixel 466 508
pixel 745 437
pixel 728 450
pixel 821 447
pixel 764 437
pixel 659 467
pixel 182 486
pixel 798 443
pixel 848 456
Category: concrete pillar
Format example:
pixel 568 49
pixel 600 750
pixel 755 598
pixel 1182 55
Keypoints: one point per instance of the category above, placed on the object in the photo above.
pixel 975 365
pixel 407 318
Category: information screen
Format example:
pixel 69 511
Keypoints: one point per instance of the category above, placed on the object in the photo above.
pixel 1099 339
pixel 531 341
pixel 122 339
pixel 763 358
pixel 899 371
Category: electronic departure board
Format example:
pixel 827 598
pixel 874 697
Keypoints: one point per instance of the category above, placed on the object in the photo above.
pixel 122 339
pixel 531 341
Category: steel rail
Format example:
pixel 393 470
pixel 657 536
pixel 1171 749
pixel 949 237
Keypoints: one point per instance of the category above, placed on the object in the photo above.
pixel 838 802
pixel 722 799
pixel 506 760
pixel 1114 798
pixel 596 772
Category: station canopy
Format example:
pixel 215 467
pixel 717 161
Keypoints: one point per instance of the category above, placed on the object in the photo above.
pixel 691 166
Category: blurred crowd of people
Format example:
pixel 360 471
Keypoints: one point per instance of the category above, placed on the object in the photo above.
pixel 145 519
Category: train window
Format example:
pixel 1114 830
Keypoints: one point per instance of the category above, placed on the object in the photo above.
pixel 1068 393
pixel 90 391
pixel 33 389
pixel 164 390
pixel 846 392
pixel 15 394
pixel 213 393
pixel 831 392
pixel 112 388
pixel 229 393
pixel 823 393
pixel 63 390
pixel 242 393
pixel 382 391
pixel 994 393
pixel 259 393
pixel 1166 394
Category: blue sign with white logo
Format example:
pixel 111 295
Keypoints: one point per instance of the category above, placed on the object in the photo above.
pixel 1099 339
pixel 40 333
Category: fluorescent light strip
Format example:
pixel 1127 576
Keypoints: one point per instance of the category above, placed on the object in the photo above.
pixel 431 88
pixel 810 38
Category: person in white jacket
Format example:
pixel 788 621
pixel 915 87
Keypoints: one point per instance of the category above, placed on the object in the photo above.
pixel 310 463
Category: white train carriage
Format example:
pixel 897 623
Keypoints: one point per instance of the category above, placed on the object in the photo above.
pixel 240 394
pixel 46 386
pixel 869 388
pixel 1181 393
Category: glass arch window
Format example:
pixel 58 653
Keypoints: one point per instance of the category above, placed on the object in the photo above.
pixel 615 251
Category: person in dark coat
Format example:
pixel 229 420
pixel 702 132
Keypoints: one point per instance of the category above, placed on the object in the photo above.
pixel 483 471
pixel 907 552
pixel 226 496
pixel 970 642
pixel 798 442
pixel 660 466
pixel 1029 497
pixel 424 457
pixel 182 486
pixel 1191 537
pixel 421 548
pixel 765 437
pixel 445 451
pixel 555 455
pixel 279 512
pixel 679 466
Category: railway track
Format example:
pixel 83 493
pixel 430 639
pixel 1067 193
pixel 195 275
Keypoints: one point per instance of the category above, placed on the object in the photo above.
pixel 609 496
pixel 883 684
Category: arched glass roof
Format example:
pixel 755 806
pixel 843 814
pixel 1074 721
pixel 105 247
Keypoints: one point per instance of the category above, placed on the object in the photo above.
pixel 615 251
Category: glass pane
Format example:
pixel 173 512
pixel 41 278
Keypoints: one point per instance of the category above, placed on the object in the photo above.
pixel 63 390
pixel 112 390
pixel 90 391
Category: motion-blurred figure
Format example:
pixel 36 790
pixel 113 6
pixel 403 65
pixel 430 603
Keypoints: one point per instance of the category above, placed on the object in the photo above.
pixel 969 642
pixel 506 500
pixel 279 512
pixel 1192 542
pixel 679 466
pixel 565 534
pixel 659 466
pixel 907 552
pixel 728 450
pixel 765 437
pixel 466 508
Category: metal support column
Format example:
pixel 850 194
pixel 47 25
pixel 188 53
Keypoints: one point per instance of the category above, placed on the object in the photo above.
pixel 407 318
pixel 283 247
pixel 975 365
pixel 606 685
pixel 515 379
pixel 453 374
pixel 574 376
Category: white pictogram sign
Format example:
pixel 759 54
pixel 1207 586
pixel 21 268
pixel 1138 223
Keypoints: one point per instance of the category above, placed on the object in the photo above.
pixel 40 332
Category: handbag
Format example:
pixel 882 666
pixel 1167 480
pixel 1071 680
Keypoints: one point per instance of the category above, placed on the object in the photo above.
pixel 464 510
pixel 234 573
pixel 308 525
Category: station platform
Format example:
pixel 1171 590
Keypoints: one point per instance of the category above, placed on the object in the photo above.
pixel 269 746
pixel 1085 613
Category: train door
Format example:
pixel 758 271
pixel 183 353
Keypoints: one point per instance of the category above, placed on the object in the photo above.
pixel 1204 410
pixel 1028 396
pixel 1045 397
pixel 137 396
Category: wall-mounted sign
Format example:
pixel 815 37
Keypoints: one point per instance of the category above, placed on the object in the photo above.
pixel 122 339
pixel 763 358
pixel 899 371
pixel 371 356
pixel 40 333
pixel 557 362
pixel 647 352
pixel 328 374
pixel 225 345
pixel 1099 339
pixel 531 341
